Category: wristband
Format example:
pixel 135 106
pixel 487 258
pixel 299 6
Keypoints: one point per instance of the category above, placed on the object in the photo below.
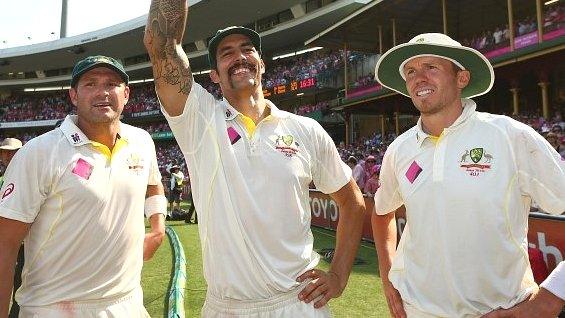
pixel 155 204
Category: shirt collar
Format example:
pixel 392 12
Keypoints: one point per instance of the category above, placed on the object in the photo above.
pixel 76 137
pixel 469 109
pixel 231 113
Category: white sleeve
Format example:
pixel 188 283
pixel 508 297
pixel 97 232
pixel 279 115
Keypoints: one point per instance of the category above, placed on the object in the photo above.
pixel 388 198
pixel 541 171
pixel 190 126
pixel 27 183
pixel 329 172
pixel 555 283
pixel 154 173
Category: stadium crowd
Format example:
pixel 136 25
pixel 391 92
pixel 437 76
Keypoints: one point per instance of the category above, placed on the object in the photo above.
pixel 305 109
pixel 375 145
pixel 313 64
pixel 554 18
pixel 35 107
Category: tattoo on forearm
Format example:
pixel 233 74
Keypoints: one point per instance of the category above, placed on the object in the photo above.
pixel 164 31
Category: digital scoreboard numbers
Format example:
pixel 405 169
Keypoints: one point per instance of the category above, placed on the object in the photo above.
pixel 307 83
pixel 292 87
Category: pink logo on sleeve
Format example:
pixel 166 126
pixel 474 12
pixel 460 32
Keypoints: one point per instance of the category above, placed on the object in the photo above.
pixel 83 169
pixel 413 172
pixel 8 191
pixel 234 136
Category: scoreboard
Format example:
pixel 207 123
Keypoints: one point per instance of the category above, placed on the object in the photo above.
pixel 293 86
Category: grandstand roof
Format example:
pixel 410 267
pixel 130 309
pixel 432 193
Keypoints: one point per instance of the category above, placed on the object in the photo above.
pixel 205 17
pixel 464 18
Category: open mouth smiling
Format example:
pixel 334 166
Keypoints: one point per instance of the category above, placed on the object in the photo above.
pixel 424 92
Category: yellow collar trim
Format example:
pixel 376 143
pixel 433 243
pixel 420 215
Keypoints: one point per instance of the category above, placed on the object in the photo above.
pixel 435 139
pixel 120 143
pixel 249 124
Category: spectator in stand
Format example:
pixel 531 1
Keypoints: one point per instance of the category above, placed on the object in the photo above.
pixel 175 191
pixel 192 208
pixel 372 184
pixel 8 149
pixel 358 172
pixel 556 143
pixel 497 36
pixel 370 162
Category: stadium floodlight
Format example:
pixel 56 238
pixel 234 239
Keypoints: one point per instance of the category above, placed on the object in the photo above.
pixel 312 49
pixel 282 56
pixel 141 81
pixel 300 94
pixel 550 2
pixel 45 89
pixel 203 72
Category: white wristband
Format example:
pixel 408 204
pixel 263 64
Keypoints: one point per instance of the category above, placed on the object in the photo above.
pixel 155 204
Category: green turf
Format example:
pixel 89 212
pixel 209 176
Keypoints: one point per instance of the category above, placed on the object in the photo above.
pixel 363 296
pixel 155 279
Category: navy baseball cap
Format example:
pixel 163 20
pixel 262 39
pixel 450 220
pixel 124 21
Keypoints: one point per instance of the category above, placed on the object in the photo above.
pixel 95 61
pixel 221 34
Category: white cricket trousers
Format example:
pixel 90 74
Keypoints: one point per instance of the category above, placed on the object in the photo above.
pixel 281 306
pixel 128 306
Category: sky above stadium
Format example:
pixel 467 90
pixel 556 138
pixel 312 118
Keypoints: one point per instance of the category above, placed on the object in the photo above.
pixel 24 22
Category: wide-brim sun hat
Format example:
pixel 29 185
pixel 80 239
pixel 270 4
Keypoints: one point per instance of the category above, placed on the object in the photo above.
pixel 388 70
pixel 10 144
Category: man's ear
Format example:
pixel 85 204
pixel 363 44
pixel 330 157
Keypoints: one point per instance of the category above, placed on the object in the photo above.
pixel 463 78
pixel 262 67
pixel 73 95
pixel 214 76
pixel 126 93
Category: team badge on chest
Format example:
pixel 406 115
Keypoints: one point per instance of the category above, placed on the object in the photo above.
pixel 135 163
pixel 476 161
pixel 286 144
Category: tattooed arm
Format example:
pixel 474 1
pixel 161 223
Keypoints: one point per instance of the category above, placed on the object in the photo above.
pixel 163 41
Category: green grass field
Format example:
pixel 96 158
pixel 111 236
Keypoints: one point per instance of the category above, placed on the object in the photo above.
pixel 363 296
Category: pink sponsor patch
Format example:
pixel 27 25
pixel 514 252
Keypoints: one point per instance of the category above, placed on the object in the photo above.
pixel 82 169
pixel 413 172
pixel 8 191
pixel 234 136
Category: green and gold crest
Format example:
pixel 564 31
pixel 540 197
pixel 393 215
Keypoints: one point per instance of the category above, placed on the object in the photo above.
pixel 288 139
pixel 476 154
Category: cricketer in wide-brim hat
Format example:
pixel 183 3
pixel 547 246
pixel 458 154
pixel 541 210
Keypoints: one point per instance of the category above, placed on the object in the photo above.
pixel 389 69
